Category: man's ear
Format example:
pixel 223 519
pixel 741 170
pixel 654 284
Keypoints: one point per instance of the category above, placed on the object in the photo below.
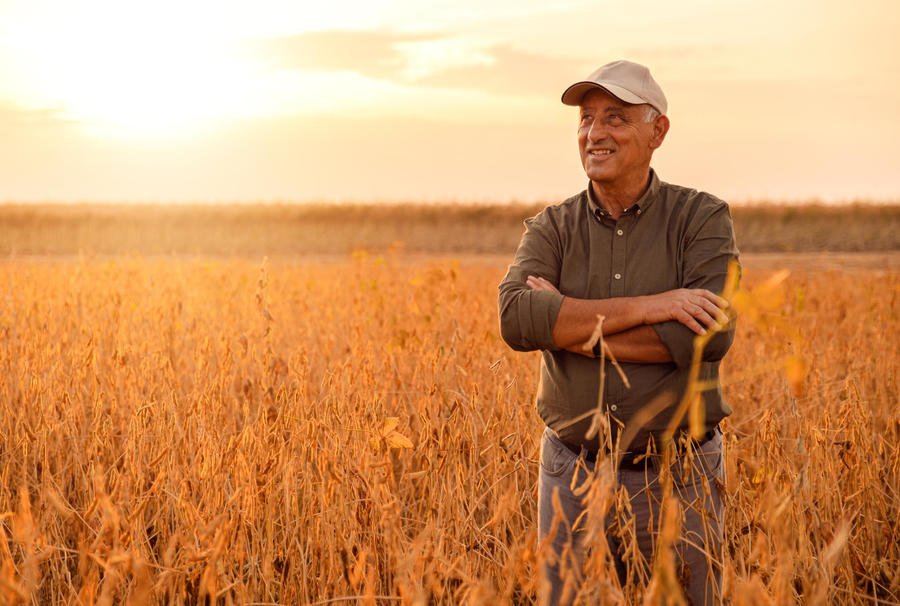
pixel 660 128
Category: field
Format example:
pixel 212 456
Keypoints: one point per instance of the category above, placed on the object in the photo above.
pixel 228 429
pixel 329 229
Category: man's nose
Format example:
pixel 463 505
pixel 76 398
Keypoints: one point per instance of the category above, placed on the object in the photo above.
pixel 597 131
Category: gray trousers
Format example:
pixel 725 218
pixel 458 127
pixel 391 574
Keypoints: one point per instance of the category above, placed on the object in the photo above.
pixel 694 483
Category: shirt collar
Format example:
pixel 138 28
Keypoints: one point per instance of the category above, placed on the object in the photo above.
pixel 639 207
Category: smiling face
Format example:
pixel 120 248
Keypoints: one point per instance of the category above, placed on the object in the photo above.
pixel 615 142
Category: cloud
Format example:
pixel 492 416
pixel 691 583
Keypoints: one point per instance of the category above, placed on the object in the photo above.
pixel 511 71
pixel 12 114
pixel 426 59
pixel 21 123
pixel 372 53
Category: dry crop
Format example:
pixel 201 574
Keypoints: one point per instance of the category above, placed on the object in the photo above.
pixel 281 229
pixel 301 432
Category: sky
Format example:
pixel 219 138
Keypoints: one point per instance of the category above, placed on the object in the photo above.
pixel 444 100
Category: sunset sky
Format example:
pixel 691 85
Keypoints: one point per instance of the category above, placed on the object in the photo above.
pixel 444 100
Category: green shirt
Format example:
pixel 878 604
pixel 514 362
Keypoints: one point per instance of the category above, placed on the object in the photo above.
pixel 672 237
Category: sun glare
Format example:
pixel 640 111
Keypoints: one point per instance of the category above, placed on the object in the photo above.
pixel 147 76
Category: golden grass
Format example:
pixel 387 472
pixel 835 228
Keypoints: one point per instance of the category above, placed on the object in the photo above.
pixel 174 429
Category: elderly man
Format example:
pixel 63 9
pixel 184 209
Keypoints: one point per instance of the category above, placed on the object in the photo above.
pixel 651 258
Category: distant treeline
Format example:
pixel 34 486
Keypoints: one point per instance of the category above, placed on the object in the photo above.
pixel 327 229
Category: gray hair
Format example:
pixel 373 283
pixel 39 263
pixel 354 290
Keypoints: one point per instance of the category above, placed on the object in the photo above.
pixel 651 114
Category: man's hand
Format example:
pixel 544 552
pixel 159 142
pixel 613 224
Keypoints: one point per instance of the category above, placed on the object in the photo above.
pixel 697 308
pixel 539 283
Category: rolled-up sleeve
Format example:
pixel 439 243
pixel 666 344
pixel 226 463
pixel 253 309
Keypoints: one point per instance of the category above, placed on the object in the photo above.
pixel 527 316
pixel 708 251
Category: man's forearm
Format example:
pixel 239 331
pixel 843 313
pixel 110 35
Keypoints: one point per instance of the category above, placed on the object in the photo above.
pixel 577 319
pixel 640 344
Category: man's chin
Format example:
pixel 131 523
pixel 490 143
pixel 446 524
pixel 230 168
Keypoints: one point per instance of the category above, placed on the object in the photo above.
pixel 601 176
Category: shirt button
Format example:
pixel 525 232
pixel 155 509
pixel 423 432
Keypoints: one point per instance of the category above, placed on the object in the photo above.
pixel 620 232
pixel 618 276
pixel 639 211
pixel 614 407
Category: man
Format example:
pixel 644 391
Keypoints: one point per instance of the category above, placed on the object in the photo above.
pixel 651 258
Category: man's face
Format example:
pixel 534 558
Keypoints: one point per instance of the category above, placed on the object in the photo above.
pixel 614 140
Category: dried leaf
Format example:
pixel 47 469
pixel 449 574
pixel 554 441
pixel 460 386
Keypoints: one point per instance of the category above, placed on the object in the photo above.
pixel 398 440
pixel 390 424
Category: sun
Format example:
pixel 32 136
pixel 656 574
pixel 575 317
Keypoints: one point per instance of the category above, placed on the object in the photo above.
pixel 137 75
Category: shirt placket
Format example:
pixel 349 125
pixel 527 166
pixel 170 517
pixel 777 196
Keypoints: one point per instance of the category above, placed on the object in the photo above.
pixel 617 274
pixel 616 390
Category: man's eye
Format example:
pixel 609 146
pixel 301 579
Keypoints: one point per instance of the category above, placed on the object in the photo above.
pixel 615 119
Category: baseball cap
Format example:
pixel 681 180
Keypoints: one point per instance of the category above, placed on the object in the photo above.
pixel 631 82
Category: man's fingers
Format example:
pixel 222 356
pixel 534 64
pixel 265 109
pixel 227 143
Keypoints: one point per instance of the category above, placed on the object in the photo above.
pixel 713 310
pixel 721 317
pixel 722 303
pixel 700 314
pixel 689 321
pixel 538 283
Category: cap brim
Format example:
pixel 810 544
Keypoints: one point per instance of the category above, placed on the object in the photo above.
pixel 574 94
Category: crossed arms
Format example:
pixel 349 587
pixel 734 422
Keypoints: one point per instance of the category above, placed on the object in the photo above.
pixel 645 329
pixel 627 326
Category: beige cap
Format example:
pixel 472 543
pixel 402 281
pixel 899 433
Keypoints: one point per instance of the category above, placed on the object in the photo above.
pixel 631 82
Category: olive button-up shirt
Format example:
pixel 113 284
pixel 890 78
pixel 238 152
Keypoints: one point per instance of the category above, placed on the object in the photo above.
pixel 672 237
